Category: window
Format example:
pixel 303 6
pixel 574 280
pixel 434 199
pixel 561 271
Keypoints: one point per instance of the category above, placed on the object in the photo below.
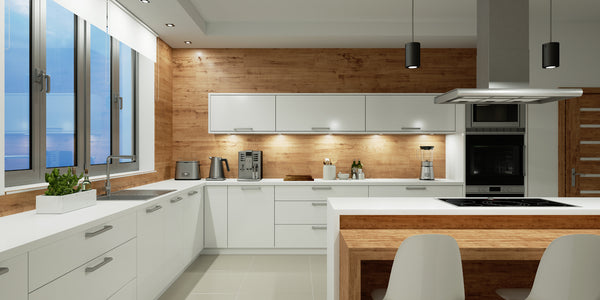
pixel 70 96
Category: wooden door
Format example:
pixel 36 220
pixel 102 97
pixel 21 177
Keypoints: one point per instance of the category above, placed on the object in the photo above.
pixel 579 145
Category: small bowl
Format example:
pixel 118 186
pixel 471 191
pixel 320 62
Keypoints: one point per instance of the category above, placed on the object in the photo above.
pixel 343 175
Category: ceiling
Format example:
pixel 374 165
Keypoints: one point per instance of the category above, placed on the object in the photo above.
pixel 321 23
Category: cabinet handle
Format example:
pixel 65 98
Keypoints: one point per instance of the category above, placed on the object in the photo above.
pixel 322 188
pixel 98 266
pixel 192 193
pixel 99 231
pixel 242 129
pixel 153 209
pixel 319 204
pixel 411 128
pixel 175 200
pixel 251 188
pixel 4 271
pixel 320 128
pixel 319 227
pixel 416 188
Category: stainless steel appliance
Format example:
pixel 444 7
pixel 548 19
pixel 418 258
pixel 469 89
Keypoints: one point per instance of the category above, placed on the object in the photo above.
pixel 250 165
pixel 495 165
pixel 495 202
pixel 187 170
pixel 495 117
pixel 426 163
pixel 216 168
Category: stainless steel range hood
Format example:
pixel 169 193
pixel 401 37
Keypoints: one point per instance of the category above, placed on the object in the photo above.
pixel 503 59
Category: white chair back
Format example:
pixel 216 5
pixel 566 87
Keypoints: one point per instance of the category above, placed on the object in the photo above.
pixel 569 269
pixel 427 267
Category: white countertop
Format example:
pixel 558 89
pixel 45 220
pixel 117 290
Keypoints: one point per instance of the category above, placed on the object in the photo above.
pixel 433 206
pixel 368 181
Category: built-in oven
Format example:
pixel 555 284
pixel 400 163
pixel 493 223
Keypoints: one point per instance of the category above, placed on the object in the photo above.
pixel 495 117
pixel 495 165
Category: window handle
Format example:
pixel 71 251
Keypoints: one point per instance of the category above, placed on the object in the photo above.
pixel 40 77
pixel 48 82
pixel 119 100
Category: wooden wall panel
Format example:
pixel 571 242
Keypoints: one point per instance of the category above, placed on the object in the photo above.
pixel 198 72
pixel 163 93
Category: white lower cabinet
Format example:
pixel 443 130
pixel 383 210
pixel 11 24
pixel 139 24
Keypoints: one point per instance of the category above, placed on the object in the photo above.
pixel 416 191
pixel 193 230
pixel 128 292
pixel 215 217
pixel 152 250
pixel 250 217
pixel 98 279
pixel 13 278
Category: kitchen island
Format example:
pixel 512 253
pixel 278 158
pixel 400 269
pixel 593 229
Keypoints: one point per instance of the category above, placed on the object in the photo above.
pixel 399 217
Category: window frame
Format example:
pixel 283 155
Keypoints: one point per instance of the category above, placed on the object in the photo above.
pixel 37 57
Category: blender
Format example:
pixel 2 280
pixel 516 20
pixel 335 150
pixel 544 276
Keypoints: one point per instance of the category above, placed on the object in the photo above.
pixel 426 163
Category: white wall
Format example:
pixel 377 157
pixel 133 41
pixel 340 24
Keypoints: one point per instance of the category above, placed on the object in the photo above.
pixel 146 113
pixel 577 28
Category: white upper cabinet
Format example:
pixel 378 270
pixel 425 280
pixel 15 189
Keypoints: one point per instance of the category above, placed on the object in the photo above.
pixel 241 113
pixel 320 113
pixel 409 113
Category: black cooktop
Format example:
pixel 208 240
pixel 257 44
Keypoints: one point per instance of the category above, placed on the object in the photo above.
pixel 505 202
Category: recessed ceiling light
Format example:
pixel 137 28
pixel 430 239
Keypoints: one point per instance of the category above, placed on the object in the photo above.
pixel 188 42
pixel 170 25
pixel 145 1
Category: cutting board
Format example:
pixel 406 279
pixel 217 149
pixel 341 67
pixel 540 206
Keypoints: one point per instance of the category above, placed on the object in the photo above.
pixel 298 178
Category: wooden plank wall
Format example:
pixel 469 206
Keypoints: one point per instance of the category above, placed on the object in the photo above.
pixel 163 128
pixel 198 72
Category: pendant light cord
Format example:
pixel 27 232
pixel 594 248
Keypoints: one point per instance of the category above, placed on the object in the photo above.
pixel 413 21
pixel 550 20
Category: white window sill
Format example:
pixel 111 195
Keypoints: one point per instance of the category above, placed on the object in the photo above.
pixel 40 186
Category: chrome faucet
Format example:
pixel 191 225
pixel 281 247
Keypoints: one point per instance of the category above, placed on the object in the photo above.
pixel 108 162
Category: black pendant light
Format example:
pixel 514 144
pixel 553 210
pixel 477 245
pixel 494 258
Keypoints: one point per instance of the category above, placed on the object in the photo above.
pixel 412 50
pixel 550 50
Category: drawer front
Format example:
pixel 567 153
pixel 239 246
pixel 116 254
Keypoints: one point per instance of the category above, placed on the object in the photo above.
pixel 300 236
pixel 301 212
pixel 416 191
pixel 51 261
pixel 319 192
pixel 13 278
pixel 98 279
pixel 128 292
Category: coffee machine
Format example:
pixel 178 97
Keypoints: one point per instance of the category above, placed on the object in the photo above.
pixel 426 163
pixel 249 165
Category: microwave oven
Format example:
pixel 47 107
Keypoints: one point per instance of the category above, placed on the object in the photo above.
pixel 493 117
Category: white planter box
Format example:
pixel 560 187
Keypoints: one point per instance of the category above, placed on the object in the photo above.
pixel 62 204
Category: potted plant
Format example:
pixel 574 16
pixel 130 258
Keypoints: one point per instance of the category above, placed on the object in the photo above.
pixel 64 194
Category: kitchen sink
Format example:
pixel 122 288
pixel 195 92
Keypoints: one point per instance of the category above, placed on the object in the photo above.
pixel 134 195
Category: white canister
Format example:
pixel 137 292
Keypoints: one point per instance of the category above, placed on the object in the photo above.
pixel 328 172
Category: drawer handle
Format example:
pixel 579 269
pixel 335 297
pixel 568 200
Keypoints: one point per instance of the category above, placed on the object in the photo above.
pixel 99 231
pixel 4 271
pixel 319 227
pixel 98 266
pixel 319 204
pixel 416 188
pixel 251 188
pixel 321 188
pixel 243 129
pixel 192 193
pixel 411 128
pixel 153 209
pixel 320 128
pixel 175 200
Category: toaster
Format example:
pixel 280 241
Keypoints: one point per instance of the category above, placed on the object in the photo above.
pixel 187 170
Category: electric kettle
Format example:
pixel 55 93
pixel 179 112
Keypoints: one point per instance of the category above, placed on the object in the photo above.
pixel 216 168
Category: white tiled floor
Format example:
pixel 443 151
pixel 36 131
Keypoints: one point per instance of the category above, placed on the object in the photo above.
pixel 251 277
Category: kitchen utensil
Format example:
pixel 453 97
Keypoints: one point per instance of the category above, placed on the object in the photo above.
pixel 426 163
pixel 343 176
pixel 187 170
pixel 216 168
pixel 250 165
